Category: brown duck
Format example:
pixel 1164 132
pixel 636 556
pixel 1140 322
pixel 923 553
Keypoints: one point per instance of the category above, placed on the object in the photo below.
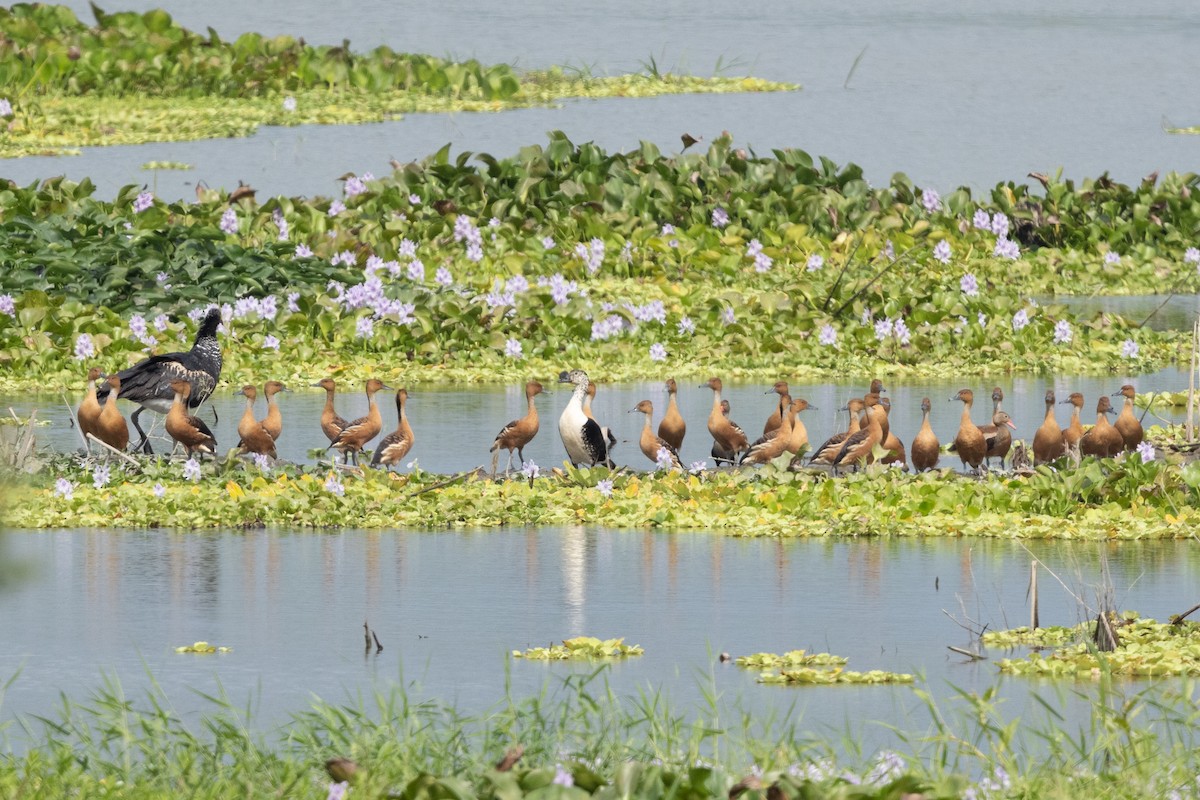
pixel 89 410
pixel 1103 440
pixel 111 428
pixel 969 442
pixel 926 449
pixel 395 445
pixel 828 451
pixel 771 445
pixel 518 433
pixel 731 438
pixel 186 429
pixel 799 437
pixel 649 442
pixel 859 447
pixel 332 423
pixel 998 436
pixel 1048 442
pixel 1127 423
pixel 354 437
pixel 672 428
pixel 776 419
pixel 720 455
pixel 253 437
pixel 1074 431
pixel 273 424
pixel 891 442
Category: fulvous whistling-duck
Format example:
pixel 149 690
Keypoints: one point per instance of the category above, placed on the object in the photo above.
pixel 997 437
pixel 186 429
pixel 1127 423
pixel 1048 442
pixel 518 433
pixel 651 443
pixel 859 447
pixel 610 438
pixel 1074 431
pixel 148 383
pixel 799 438
pixel 997 400
pixel 353 438
pixel 253 437
pixel 969 442
pixel 878 390
pixel 772 445
pixel 111 428
pixel 776 419
pixel 721 455
pixel 396 444
pixel 926 449
pixel 827 452
pixel 672 427
pixel 89 408
pixel 581 435
pixel 891 442
pixel 273 424
pixel 332 423
pixel 730 437
pixel 1103 439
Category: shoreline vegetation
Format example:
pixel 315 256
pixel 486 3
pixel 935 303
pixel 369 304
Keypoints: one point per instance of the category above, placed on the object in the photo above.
pixel 135 78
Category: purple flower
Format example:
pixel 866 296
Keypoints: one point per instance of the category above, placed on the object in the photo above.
pixel 827 336
pixel 191 470
pixel 592 255
pixel 1006 248
pixel 1191 256
pixel 142 202
pixel 720 217
pixel 969 285
pixel 931 200
pixel 754 248
pixel 335 208
pixel 668 229
pixel 889 250
pixel 160 323
pixel 815 262
pixel 883 329
pixel 84 348
pixel 354 186
pixel 407 248
pixel 562 776
pixel 1112 257
pixel 346 257
pixel 547 242
pixel 137 326
pixel 262 461
pixel 8 305
pixel 1129 349
pixel 941 251
pixel 229 221
pixel 1146 451
pixel 474 253
pixel 1062 332
pixel 1000 225
pixel 364 328
pixel 561 289
pixel 159 490
pixel 605 487
pixel 64 488
pixel 866 316
pixel 658 352
pixel 100 476
pixel 270 342
pixel 303 251
pixel 900 331
pixel 512 349
pixel 517 284
pixel 292 305
pixel 414 199
pixel 337 791
pixel 6 109
pixel 696 467
pixel 443 277
pixel 686 327
pixel 530 469
pixel 982 319
pixel 763 262
pixel 1020 319
pixel 416 270
pixel 982 220
pixel 494 222
pixel 163 279
pixel 627 252
pixel 334 486
pixel 663 458
pixel 289 104
pixel 606 328
pixel 727 316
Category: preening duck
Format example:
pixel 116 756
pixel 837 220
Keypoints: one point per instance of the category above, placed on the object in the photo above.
pixel 518 433
pixel 1103 440
pixel 731 438
pixel 581 435
pixel 926 449
pixel 354 437
pixel 828 451
pixel 332 423
pixel 148 383
pixel 859 447
pixel 997 436
pixel 273 424
pixel 395 445
pixel 969 442
pixel 1127 423
pixel 672 428
pixel 721 456
pixel 253 437
pixel 187 429
pixel 776 419
pixel 110 427
pixel 1048 443
pixel 88 413
pixel 772 445
pixel 650 443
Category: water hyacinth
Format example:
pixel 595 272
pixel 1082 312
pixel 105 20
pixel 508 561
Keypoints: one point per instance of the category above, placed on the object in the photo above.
pixel 163 280
pixel 605 487
pixel 354 186
pixel 1006 248
pixel 143 201
pixel 654 311
pixel 562 776
pixel 827 336
pixel 1000 224
pixel 303 251
pixel 1020 320
pixel 727 316
pixel 901 332
pixel 517 284
pixel 941 251
pixel 1112 258
pixel 696 467
pixel 1062 332
pixel 416 271
pixel 1146 451
pixel 8 305
pixel 289 104
pixel 6 109
pixel 84 348
pixel 346 257
pixel 763 262
pixel 1192 256
pixel 336 207
pixel 815 262
pixel 159 490
pixel 334 486
pixel 364 328
pixel 591 254
pixel 1129 349
pixel 229 221
pixel 512 349
pixel 931 200
pixel 64 488
pixel 982 220
pixel 686 327
pixel 607 328
pixel 191 470
pixel 137 327
pixel 663 458
pixel 100 476
pixel 753 248
pixel 443 277
pixel 547 242
pixel 889 250
pixel 658 352
pixel 530 469
pixel 270 342
pixel 292 305
pixel 883 329
pixel 982 319
pixel 720 217
pixel 969 285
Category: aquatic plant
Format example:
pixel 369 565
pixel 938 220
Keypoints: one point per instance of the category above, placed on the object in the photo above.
pixel 585 648
pixel 1144 648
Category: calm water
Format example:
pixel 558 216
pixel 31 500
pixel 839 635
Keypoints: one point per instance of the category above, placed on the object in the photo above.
pixel 448 607
pixel 454 427
pixel 951 94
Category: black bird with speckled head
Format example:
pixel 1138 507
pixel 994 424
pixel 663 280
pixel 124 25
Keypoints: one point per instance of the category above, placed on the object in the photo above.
pixel 148 383
pixel 581 436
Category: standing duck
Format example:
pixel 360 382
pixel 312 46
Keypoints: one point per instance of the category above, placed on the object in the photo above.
pixel 110 427
pixel 253 437
pixel 396 444
pixel 1048 442
pixel 730 437
pixel 772 445
pixel 148 383
pixel 1127 423
pixel 273 424
pixel 610 438
pixel 332 423
pixel 776 419
pixel 88 413
pixel 354 437
pixel 891 442
pixel 926 449
pixel 997 436
pixel 969 442
pixel 650 443
pixel 997 400
pixel 187 429
pixel 1103 439
pixel 518 433
pixel 858 449
pixel 581 435
pixel 799 437
pixel 720 455
pixel 1074 431
pixel 672 428
pixel 827 452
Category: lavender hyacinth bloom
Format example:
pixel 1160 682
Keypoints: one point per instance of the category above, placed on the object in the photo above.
pixel 512 349
pixel 6 109
pixel 941 251
pixel 1112 258
pixel 354 186
pixel 334 486
pixel 1000 225
pixel 191 470
pixel 443 277
pixel 84 348
pixel 8 305
pixel 883 329
pixel 1129 349
pixel 64 488
pixel 159 490
pixel 605 487
pixel 827 336
pixel 1062 332
pixel 686 326
pixel 229 221
pixel 1147 452
pixel 1006 248
pixel 1020 319
pixel 364 328
pixel 969 285
pixel 1191 256
pixel 303 251
pixel 727 316
pixel 336 207
pixel 931 200
pixel 720 217
pixel 270 342
pixel 658 352
pixel 100 476
pixel 815 262
pixel 982 220
pixel 143 201
pixel 416 271
pixel 531 470
pixel 663 458
pixel 289 104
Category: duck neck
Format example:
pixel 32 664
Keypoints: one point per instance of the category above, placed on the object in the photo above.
pixel 925 426
pixel 716 401
pixel 646 414
pixel 532 406
pixel 329 400
pixel 966 414
pixel 1049 413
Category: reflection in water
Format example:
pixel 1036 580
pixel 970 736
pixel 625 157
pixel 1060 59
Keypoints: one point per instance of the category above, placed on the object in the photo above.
pixel 574 578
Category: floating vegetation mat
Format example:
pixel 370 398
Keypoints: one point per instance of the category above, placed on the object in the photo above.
pixel 581 648
pixel 204 648
pixel 798 666
pixel 1144 648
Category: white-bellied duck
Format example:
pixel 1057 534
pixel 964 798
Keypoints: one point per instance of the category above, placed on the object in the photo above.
pixel 581 435
pixel 396 445
pixel 649 442
pixel 1048 443
pixel 518 433
pixel 926 449
pixel 672 427
pixel 187 429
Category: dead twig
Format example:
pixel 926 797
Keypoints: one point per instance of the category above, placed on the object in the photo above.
pixel 1177 619
pixel 967 653
pixel 124 456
